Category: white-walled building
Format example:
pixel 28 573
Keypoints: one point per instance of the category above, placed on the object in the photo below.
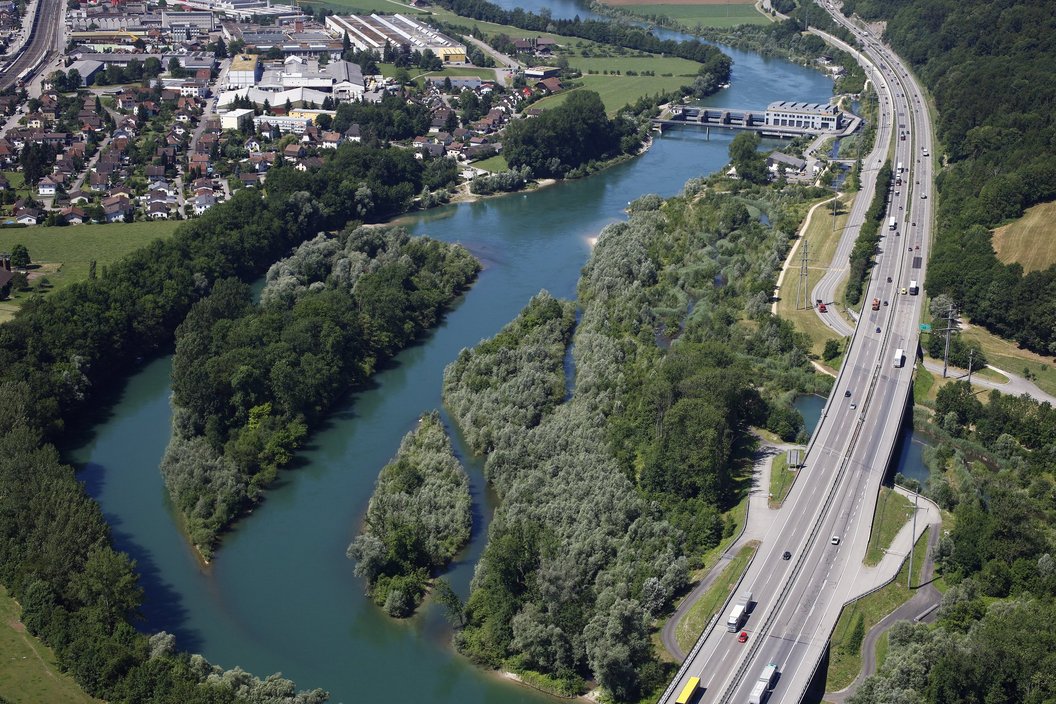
pixel 816 116
pixel 245 71
pixel 236 119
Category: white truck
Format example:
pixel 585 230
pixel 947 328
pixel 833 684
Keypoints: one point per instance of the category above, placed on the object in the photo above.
pixel 891 223
pixel 739 612
pixel 900 357
pixel 761 689
pixel 760 693
pixel 736 618
pixel 913 288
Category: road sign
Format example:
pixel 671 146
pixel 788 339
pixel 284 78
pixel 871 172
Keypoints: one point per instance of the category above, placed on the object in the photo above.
pixel 925 327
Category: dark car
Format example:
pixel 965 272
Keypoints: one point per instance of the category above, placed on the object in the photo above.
pixel 787 555
pixel 847 393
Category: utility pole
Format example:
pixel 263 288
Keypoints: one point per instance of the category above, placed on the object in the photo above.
pixel 971 353
pixel 949 327
pixel 912 542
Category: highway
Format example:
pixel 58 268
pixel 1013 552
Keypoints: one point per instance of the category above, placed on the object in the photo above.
pixel 44 42
pixel 826 519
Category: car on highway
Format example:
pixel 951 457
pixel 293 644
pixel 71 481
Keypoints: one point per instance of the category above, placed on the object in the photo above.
pixel 835 540
pixel 743 637
pixel 847 393
pixel 786 556
pixel 888 279
pixel 885 303
pixel 903 291
pixel 923 196
pixel 878 328
pixel 853 405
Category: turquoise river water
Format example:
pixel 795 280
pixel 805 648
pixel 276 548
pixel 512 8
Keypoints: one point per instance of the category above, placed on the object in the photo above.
pixel 280 594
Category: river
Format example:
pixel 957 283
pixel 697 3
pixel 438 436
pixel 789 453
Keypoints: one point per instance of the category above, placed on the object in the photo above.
pixel 280 595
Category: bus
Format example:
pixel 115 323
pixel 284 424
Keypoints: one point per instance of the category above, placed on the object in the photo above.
pixel 688 691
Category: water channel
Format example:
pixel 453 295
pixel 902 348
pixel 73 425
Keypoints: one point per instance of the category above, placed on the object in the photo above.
pixel 909 450
pixel 280 595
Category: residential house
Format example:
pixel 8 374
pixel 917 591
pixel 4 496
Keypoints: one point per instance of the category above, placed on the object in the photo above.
pixel 47 187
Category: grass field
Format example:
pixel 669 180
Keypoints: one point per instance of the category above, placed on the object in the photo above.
pixel 821 241
pixel 690 627
pixel 63 253
pixel 493 164
pixel 1006 355
pixel 710 15
pixel 27 667
pixel 387 7
pixel 617 91
pixel 892 511
pixel 845 651
pixel 1030 240
pixel 781 478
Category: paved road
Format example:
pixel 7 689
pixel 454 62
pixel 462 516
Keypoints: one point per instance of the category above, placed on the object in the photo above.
pixel 1015 386
pixel 828 514
pixel 920 607
pixel 757 522
pixel 506 66
pixel 825 289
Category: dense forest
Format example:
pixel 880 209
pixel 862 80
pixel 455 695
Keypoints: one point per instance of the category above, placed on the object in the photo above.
pixel 250 382
pixel 417 519
pixel 989 66
pixel 608 499
pixel 861 259
pixel 993 641
pixel 59 357
pixel 573 134
pixel 508 383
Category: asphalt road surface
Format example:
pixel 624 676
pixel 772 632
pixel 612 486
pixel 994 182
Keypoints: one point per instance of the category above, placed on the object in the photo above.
pixel 827 517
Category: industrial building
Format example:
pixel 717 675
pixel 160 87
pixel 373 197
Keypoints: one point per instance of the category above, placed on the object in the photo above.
pixel 815 116
pixel 371 33
pixel 245 71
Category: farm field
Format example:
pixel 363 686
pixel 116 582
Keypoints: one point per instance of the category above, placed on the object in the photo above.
pixel 706 15
pixel 1030 240
pixel 62 254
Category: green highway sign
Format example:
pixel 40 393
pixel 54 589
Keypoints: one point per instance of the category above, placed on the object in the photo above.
pixel 925 327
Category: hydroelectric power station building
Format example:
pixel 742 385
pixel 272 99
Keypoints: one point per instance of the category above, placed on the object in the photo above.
pixel 812 116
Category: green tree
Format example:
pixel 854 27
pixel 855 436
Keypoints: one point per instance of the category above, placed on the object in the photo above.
pixel 746 159
pixel 20 256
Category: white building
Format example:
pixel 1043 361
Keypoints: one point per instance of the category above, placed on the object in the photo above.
pixel 371 33
pixel 815 116
pixel 244 72
pixel 285 124
pixel 236 119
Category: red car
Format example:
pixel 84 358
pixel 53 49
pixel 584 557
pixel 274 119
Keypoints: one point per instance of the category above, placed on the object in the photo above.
pixel 743 638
